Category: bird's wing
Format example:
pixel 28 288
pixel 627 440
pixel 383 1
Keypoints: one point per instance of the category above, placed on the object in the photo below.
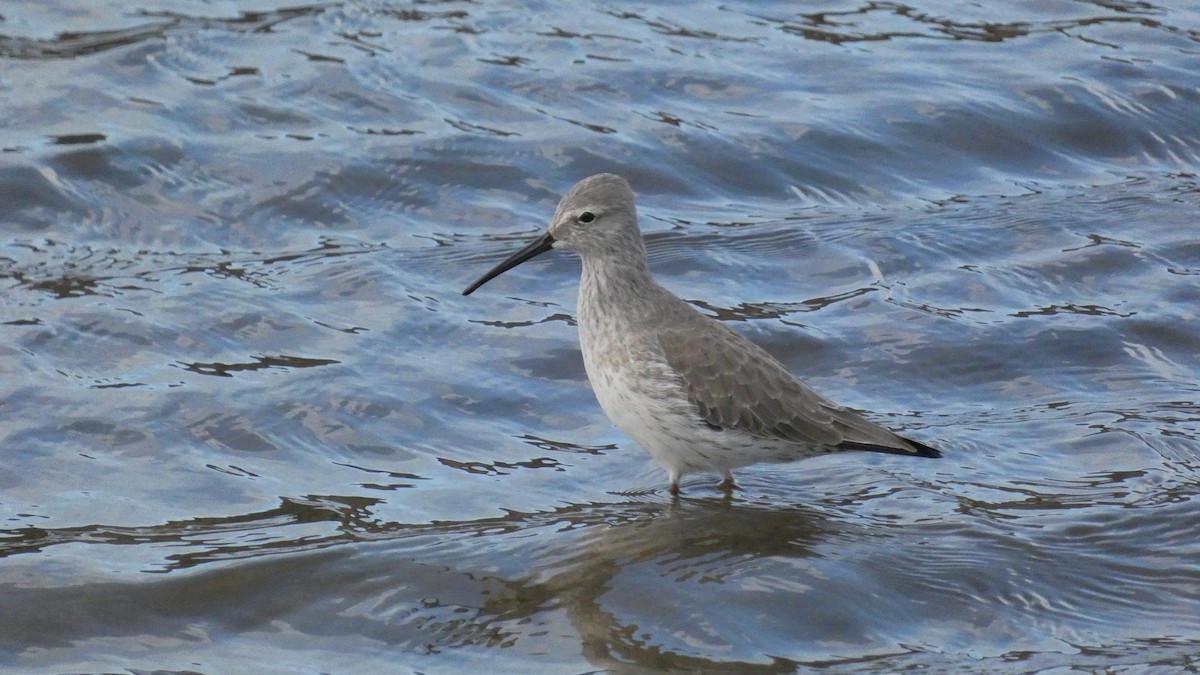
pixel 736 384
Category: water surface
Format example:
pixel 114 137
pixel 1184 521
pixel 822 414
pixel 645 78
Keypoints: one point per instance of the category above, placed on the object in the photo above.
pixel 249 422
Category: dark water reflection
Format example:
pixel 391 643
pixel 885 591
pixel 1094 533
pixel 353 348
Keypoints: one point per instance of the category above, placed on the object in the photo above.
pixel 249 423
pixel 565 559
pixel 639 583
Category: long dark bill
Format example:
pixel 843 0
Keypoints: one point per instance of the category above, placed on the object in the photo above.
pixel 535 248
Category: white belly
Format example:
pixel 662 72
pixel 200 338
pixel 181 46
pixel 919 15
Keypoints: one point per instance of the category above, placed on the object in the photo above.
pixel 647 401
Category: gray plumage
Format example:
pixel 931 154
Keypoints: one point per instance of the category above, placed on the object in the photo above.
pixel 697 395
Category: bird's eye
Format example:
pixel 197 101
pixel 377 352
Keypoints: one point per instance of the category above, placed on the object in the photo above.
pixel 587 217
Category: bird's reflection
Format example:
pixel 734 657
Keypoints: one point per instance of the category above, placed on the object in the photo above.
pixel 686 541
pixel 480 583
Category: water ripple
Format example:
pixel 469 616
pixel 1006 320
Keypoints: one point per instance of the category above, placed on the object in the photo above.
pixel 249 419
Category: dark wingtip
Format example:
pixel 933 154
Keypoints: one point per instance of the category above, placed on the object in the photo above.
pixel 924 450
pixel 914 449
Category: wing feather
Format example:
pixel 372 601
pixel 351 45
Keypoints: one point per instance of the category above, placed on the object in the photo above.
pixel 736 384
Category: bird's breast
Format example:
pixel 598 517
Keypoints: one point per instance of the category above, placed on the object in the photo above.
pixel 629 374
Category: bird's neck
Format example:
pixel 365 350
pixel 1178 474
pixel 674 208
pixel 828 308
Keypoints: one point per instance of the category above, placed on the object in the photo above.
pixel 613 296
pixel 615 279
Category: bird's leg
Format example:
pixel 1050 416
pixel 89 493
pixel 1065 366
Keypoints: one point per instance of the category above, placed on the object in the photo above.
pixel 673 488
pixel 727 486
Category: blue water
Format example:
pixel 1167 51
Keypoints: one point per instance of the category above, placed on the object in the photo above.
pixel 250 425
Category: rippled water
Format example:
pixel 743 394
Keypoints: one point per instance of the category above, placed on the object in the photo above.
pixel 249 424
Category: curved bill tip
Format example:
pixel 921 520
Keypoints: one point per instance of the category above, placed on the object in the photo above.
pixel 535 248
